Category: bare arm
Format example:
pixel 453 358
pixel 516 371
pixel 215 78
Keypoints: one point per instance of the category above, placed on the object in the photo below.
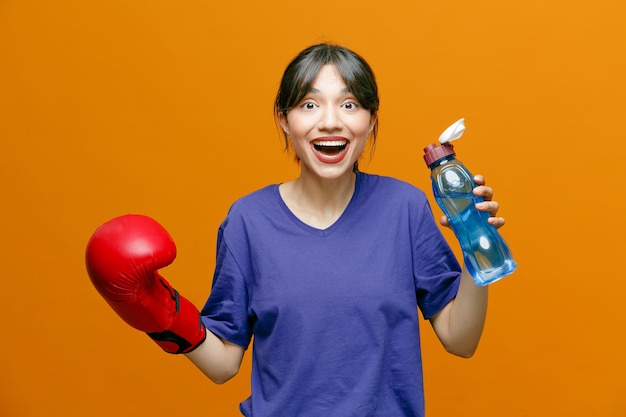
pixel 216 358
pixel 459 325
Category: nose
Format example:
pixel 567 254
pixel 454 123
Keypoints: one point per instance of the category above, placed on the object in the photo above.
pixel 330 119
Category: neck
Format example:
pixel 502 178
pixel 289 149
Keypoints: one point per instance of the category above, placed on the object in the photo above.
pixel 318 202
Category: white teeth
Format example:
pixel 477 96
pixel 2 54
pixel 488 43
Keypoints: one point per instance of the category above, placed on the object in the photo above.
pixel 330 142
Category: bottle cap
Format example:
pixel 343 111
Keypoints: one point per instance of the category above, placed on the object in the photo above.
pixel 433 153
pixel 453 132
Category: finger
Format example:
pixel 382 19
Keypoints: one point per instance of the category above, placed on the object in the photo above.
pixel 483 191
pixel 479 179
pixel 490 206
pixel 443 220
pixel 498 222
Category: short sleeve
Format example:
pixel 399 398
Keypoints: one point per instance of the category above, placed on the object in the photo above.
pixel 225 312
pixel 435 268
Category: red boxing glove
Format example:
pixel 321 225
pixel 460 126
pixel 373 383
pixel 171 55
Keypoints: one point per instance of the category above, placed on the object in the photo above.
pixel 123 256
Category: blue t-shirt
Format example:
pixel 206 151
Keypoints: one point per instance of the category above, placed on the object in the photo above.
pixel 333 312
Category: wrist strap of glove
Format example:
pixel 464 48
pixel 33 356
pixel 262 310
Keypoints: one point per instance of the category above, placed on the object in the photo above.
pixel 186 331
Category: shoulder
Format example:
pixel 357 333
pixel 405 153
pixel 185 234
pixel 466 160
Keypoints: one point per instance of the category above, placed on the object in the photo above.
pixel 257 205
pixel 253 202
pixel 391 189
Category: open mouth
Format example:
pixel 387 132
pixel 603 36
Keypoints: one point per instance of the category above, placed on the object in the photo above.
pixel 330 147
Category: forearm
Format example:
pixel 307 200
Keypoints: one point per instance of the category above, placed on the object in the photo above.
pixel 460 324
pixel 217 359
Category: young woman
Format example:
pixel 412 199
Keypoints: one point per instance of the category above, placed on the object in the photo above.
pixel 326 273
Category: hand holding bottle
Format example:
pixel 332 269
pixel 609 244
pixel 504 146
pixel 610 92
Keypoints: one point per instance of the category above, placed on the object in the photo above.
pixel 488 205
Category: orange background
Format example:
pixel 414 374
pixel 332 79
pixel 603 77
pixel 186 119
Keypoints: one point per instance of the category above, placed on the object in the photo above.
pixel 165 108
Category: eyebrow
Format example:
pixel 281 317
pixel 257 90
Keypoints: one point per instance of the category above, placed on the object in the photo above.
pixel 315 90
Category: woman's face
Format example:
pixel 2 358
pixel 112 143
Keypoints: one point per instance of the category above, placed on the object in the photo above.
pixel 328 129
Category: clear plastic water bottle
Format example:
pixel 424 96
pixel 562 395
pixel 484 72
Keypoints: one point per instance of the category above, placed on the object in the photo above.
pixel 486 254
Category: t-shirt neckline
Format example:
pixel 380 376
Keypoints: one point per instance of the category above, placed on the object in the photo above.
pixel 330 229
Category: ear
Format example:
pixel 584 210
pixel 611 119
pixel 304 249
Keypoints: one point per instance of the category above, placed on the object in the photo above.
pixel 373 121
pixel 284 124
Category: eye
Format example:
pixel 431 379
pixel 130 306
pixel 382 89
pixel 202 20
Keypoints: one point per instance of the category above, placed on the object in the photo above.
pixel 308 105
pixel 350 105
